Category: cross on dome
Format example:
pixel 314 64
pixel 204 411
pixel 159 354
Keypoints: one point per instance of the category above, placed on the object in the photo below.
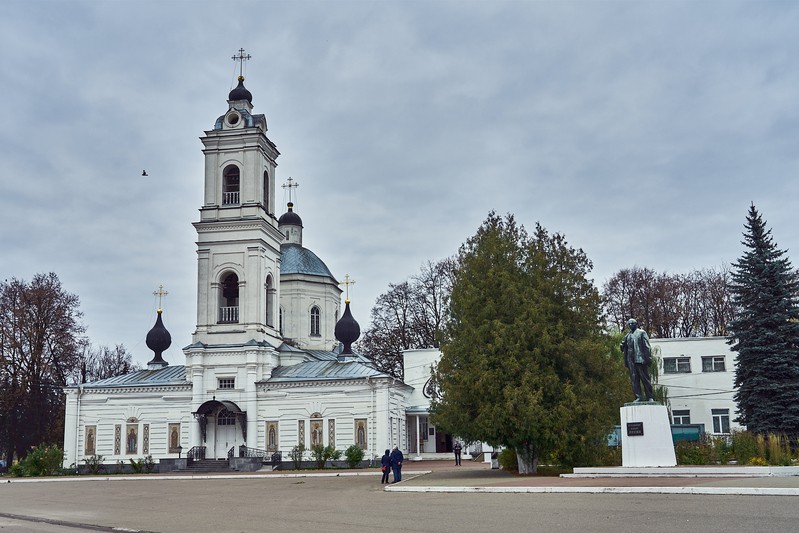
pixel 160 293
pixel 347 282
pixel 241 58
pixel 290 184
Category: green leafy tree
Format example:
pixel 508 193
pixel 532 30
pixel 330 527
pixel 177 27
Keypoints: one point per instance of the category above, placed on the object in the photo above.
pixel 527 364
pixel 765 333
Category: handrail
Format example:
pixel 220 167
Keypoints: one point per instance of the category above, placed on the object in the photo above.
pixel 264 455
pixel 197 453
pixel 230 453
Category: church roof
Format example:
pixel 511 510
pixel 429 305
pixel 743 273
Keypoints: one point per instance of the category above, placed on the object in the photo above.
pixel 294 259
pixel 250 120
pixel 324 370
pixel 170 375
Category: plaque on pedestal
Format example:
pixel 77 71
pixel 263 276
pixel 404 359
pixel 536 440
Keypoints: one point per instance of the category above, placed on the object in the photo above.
pixel 646 435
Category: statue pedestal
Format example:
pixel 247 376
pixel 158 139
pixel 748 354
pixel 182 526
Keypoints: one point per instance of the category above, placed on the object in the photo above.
pixel 646 436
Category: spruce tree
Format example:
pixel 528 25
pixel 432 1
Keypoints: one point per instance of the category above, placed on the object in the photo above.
pixel 765 333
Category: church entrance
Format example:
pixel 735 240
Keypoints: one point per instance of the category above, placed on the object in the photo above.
pixel 225 436
pixel 222 426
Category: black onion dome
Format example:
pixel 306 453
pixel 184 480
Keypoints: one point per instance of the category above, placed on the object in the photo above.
pixel 347 329
pixel 290 218
pixel 240 92
pixel 158 340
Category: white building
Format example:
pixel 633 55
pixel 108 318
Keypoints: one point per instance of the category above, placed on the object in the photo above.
pixel 264 369
pixel 699 373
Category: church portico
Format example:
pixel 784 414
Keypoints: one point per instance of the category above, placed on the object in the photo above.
pixel 223 426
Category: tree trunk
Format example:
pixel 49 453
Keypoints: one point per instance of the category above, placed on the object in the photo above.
pixel 527 459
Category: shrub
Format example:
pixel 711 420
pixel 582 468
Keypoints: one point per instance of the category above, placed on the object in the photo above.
pixel 43 460
pixel 296 454
pixel 137 466
pixel 744 447
pixel 354 455
pixel 149 464
pixel 508 460
pixel 693 453
pixel 779 450
pixel 322 454
pixel 94 464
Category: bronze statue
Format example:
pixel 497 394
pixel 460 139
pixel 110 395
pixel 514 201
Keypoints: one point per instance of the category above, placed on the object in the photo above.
pixel 637 357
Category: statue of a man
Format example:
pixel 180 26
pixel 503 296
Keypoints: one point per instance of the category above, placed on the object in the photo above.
pixel 637 357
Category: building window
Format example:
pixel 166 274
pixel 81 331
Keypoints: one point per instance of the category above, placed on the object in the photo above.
pixel 229 304
pixel 266 191
pixel 721 420
pixel 714 363
pixel 315 316
pixel 676 365
pixel 230 185
pixel 270 302
pixel 226 383
pixel 280 318
pixel 681 416
pixel 225 418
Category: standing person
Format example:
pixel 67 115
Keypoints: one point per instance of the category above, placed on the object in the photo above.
pixel 637 357
pixel 457 449
pixel 396 464
pixel 385 461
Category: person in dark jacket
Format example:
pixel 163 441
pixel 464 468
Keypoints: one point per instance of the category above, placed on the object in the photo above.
pixel 396 464
pixel 385 461
pixel 457 449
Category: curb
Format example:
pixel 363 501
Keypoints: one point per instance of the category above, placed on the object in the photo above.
pixel 741 491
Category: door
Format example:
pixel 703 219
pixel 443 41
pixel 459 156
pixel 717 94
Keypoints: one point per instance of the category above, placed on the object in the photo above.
pixel 225 436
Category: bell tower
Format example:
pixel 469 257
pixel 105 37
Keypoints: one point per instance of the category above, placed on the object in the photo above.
pixel 238 241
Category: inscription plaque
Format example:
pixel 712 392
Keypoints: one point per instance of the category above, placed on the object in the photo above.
pixel 635 429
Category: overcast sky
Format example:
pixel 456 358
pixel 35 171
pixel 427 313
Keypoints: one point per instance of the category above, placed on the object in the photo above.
pixel 641 131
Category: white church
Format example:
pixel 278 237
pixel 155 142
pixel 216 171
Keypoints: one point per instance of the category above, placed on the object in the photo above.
pixel 270 365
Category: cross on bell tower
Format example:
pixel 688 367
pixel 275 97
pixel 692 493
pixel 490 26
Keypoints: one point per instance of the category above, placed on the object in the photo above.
pixel 241 58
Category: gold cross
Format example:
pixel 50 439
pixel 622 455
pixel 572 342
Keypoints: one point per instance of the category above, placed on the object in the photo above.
pixel 160 293
pixel 241 58
pixel 290 184
pixel 347 282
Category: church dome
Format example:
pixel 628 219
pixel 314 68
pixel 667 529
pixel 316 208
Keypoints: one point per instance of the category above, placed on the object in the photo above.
pixel 294 259
pixel 240 92
pixel 290 218
pixel 347 329
pixel 158 340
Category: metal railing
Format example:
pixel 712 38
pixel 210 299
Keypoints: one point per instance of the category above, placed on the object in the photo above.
pixel 266 456
pixel 197 453
pixel 229 315
pixel 230 198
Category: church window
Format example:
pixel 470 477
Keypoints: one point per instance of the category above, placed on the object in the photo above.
pixel 266 191
pixel 281 320
pixel 230 187
pixel 226 383
pixel 315 320
pixel 225 418
pixel 229 300
pixel 270 302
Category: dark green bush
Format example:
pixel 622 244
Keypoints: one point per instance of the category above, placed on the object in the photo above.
pixel 354 456
pixel 508 460
pixel 94 464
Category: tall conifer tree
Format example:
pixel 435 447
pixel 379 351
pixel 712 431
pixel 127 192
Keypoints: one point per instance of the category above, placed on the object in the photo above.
pixel 765 333
pixel 527 364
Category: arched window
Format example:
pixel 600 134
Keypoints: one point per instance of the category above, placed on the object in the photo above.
pixel 230 185
pixel 266 191
pixel 229 299
pixel 270 302
pixel 315 316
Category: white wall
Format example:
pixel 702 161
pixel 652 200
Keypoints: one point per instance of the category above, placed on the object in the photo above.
pixel 697 391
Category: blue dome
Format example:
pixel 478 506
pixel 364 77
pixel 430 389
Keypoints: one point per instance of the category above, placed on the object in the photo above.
pixel 294 259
